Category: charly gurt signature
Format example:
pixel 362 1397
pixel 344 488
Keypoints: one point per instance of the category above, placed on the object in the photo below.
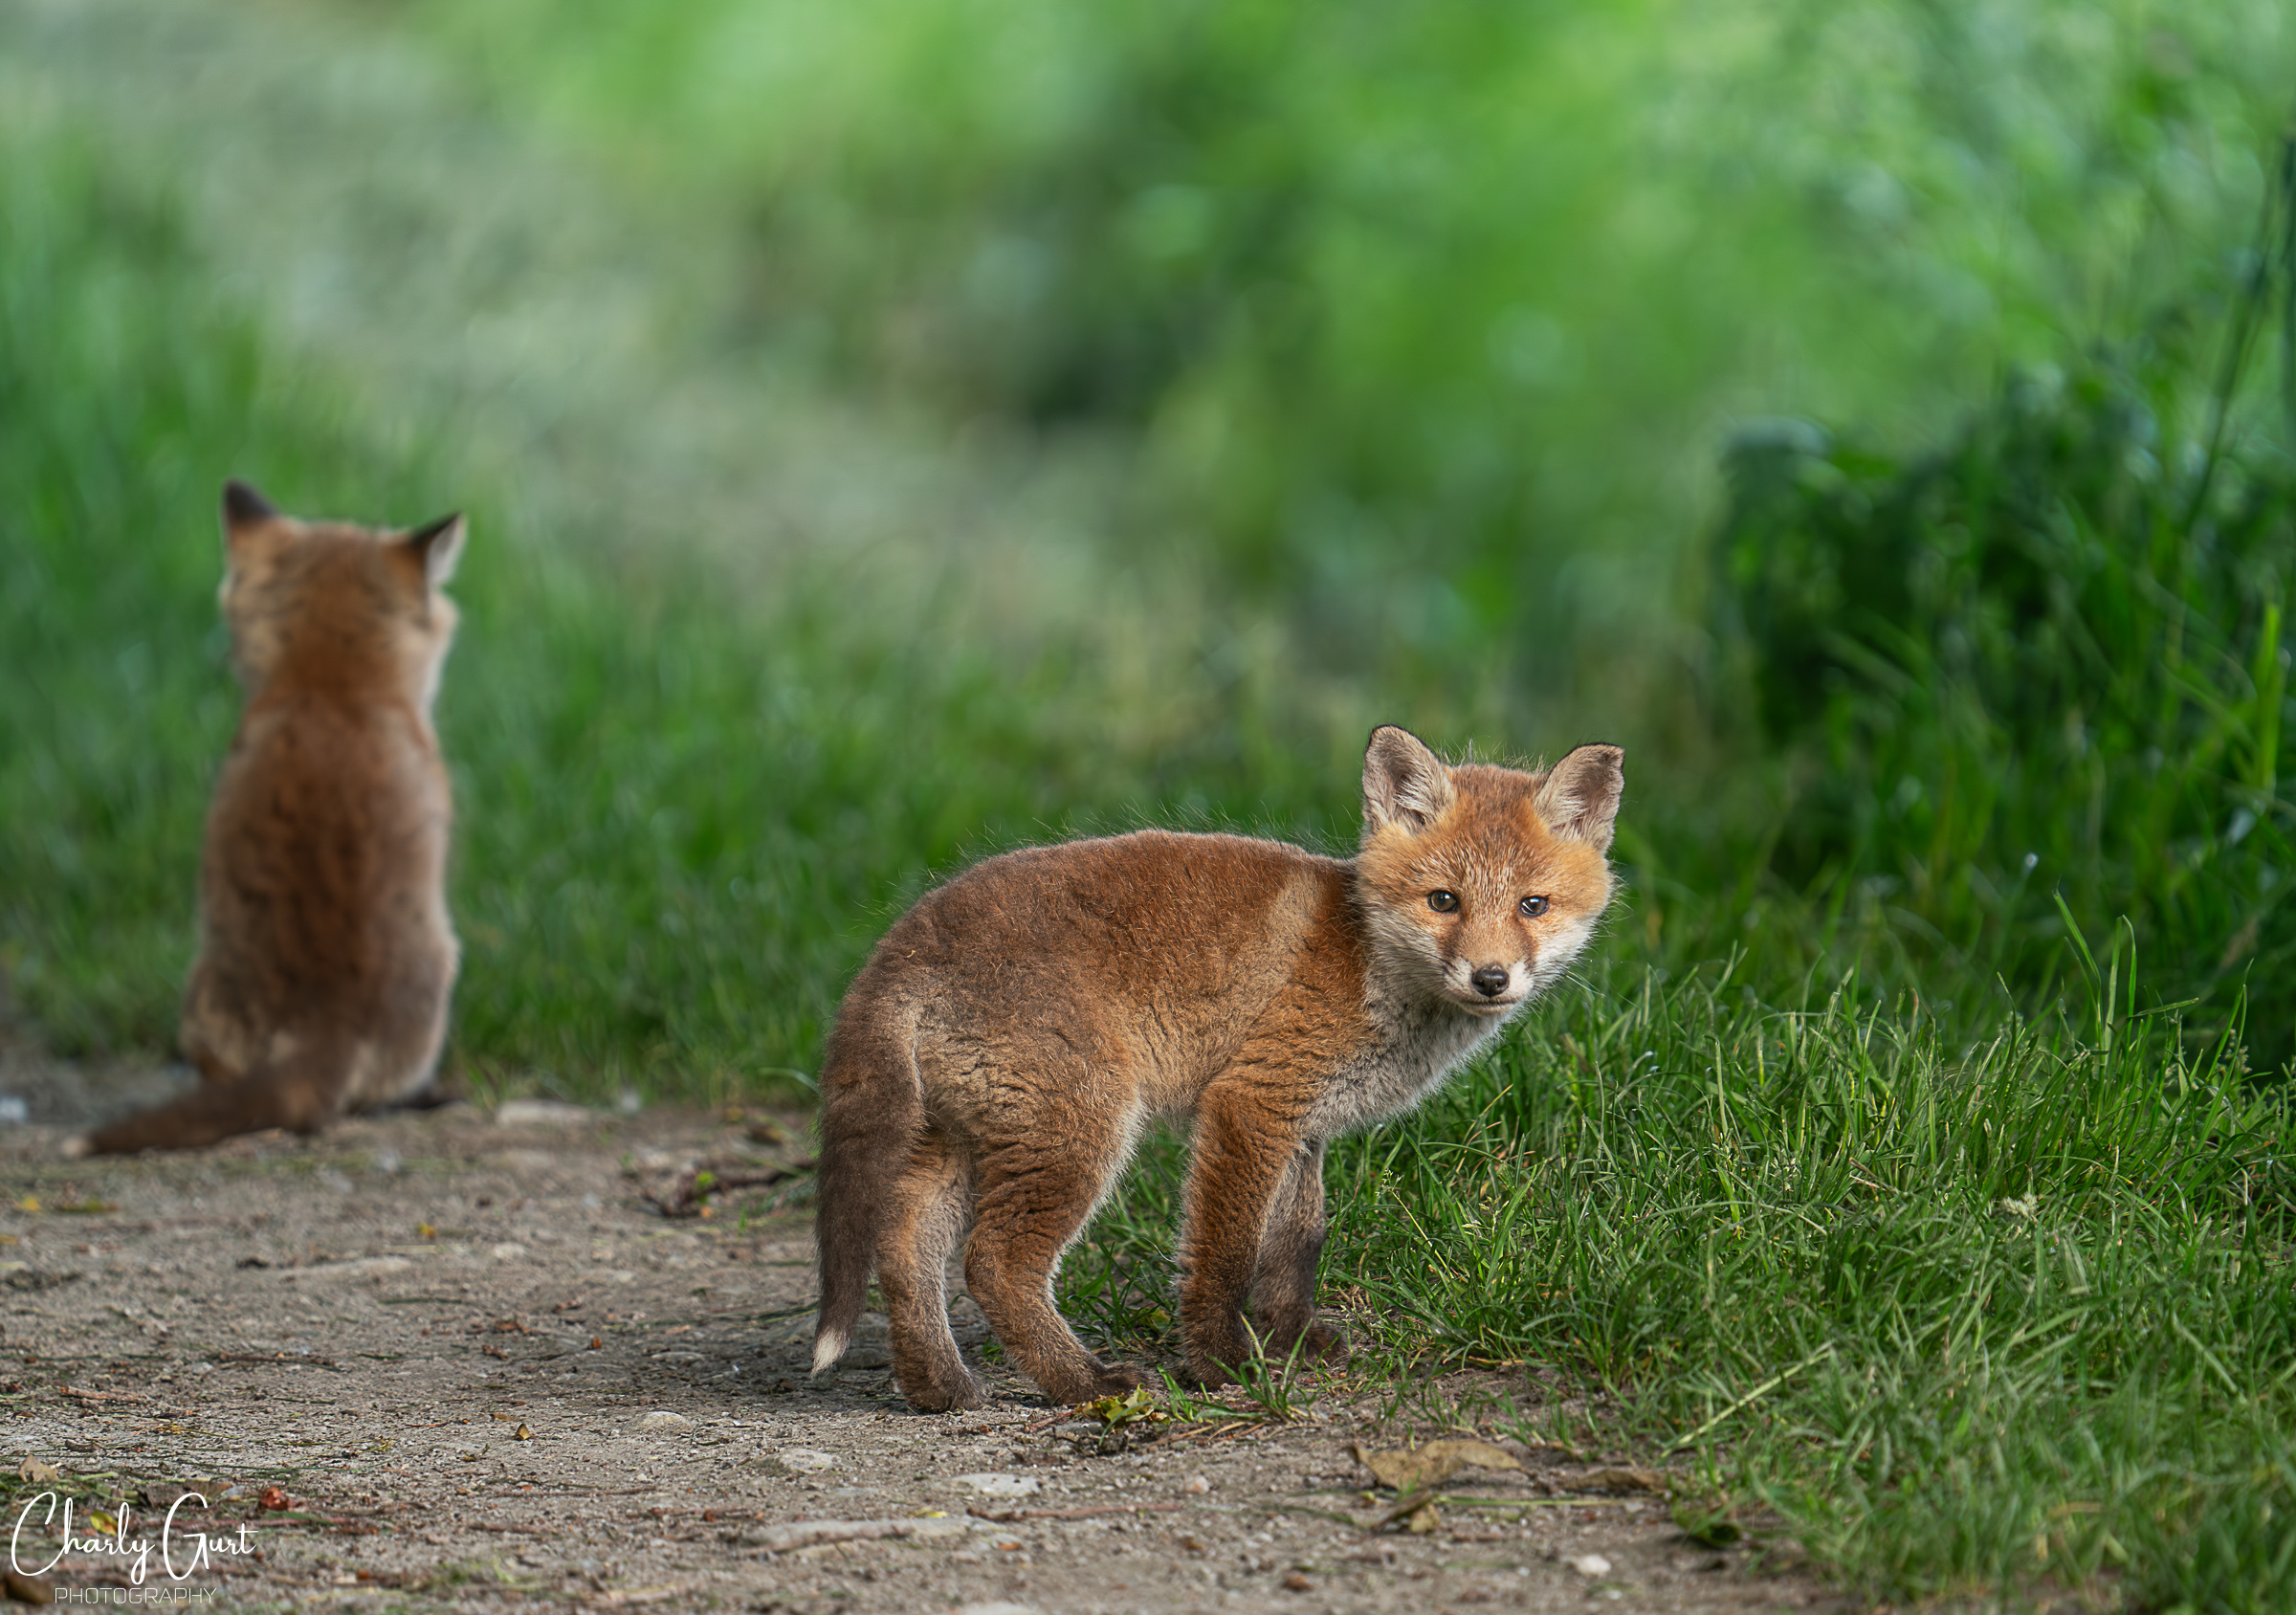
pixel 181 1553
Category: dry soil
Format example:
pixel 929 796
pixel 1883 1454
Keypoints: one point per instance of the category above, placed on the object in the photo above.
pixel 461 1359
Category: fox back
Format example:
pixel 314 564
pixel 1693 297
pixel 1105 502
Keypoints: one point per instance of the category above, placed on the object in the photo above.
pixel 326 954
pixel 997 1058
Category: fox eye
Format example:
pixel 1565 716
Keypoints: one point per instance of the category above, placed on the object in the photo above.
pixel 1443 902
pixel 1533 906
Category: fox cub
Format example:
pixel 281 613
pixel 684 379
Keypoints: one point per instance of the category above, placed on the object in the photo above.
pixel 325 956
pixel 999 1055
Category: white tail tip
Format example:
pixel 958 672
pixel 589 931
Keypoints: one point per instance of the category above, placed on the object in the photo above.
pixel 829 1346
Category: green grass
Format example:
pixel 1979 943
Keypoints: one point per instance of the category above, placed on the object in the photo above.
pixel 1964 1316
pixel 2039 671
pixel 2014 1317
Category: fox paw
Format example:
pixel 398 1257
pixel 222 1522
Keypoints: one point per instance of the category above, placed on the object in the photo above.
pixel 1206 1376
pixel 954 1394
pixel 1101 1378
pixel 1117 1378
pixel 1324 1345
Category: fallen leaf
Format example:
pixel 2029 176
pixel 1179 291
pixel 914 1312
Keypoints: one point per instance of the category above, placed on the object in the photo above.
pixel 27 1589
pixel 1131 1407
pixel 38 1472
pixel 30 1203
pixel 423 1230
pixel 273 1498
pixel 523 1433
pixel 1295 1582
pixel 1423 1521
pixel 596 1345
pixel 1415 1468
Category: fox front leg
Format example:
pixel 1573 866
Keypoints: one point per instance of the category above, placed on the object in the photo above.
pixel 1242 1157
pixel 1283 1293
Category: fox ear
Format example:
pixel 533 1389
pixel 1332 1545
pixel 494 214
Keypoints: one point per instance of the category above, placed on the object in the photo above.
pixel 244 511
pixel 243 506
pixel 1405 784
pixel 438 545
pixel 1580 798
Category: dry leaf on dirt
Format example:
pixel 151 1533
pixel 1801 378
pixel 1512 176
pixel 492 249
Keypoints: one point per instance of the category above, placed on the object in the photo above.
pixel 27 1589
pixel 36 1471
pixel 273 1498
pixel 1131 1407
pixel 1415 1468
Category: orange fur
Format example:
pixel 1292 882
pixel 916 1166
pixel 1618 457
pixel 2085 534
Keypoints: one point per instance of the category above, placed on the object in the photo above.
pixel 326 954
pixel 1000 1051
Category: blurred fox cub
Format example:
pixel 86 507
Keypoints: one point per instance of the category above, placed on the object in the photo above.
pixel 1005 1046
pixel 325 956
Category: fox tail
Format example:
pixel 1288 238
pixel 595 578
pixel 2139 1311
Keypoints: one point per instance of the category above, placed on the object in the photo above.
pixel 301 1091
pixel 873 1109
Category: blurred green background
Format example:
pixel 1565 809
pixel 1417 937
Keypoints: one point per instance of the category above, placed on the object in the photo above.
pixel 899 430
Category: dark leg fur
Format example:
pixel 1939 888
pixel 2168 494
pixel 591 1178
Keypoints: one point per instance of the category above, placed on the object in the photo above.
pixel 1282 1292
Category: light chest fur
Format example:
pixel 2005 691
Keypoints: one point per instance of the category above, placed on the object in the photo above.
pixel 1419 1046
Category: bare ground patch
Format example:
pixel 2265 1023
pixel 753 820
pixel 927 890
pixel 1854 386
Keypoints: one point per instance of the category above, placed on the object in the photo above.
pixel 476 1365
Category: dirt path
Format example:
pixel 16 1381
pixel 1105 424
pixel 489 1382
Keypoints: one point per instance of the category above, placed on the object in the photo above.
pixel 480 1366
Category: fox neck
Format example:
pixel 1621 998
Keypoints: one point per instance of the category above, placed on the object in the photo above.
pixel 1416 1037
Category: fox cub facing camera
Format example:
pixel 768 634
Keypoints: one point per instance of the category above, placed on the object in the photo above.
pixel 999 1055
pixel 325 956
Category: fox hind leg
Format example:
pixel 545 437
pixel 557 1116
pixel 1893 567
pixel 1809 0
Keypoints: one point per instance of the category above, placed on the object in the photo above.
pixel 1283 1289
pixel 921 1226
pixel 1033 1196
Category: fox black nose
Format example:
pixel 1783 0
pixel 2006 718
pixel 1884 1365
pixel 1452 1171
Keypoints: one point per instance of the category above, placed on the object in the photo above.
pixel 1491 979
